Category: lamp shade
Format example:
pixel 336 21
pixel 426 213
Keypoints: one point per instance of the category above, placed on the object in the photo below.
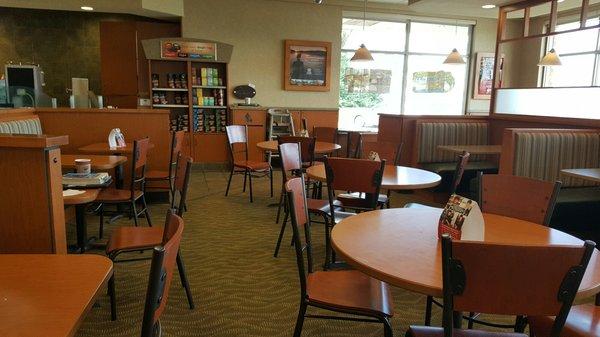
pixel 454 58
pixel 362 54
pixel 551 59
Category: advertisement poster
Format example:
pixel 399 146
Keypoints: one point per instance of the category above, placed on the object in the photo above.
pixel 188 49
pixel 485 76
pixel 462 219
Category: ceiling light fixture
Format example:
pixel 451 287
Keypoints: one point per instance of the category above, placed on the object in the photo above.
pixel 488 6
pixel 87 8
pixel 362 54
pixel 550 59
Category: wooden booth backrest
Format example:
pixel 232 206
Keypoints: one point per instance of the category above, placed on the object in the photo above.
pixel 432 134
pixel 20 121
pixel 542 153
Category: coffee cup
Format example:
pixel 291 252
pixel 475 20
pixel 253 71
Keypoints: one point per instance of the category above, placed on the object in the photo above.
pixel 83 166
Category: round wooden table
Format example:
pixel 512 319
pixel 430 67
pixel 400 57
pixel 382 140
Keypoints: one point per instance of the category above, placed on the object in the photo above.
pixel 400 246
pixel 320 147
pixel 394 177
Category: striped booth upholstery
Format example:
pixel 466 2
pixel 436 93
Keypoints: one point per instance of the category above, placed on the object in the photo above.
pixel 542 155
pixel 29 126
pixel 433 134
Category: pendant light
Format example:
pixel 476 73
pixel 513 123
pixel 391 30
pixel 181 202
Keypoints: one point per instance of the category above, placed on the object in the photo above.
pixel 362 54
pixel 454 57
pixel 550 59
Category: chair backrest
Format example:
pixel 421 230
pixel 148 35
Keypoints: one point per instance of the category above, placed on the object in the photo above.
pixel 290 160
pixel 354 175
pixel 511 280
pixel 182 181
pixel 161 274
pixel 177 138
pixel 325 134
pixel 237 134
pixel 498 194
pixel 138 162
pixel 353 144
pixel 300 219
pixel 307 147
pixel 461 164
pixel 386 150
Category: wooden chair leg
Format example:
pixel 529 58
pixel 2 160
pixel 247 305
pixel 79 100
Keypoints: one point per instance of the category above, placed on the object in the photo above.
pixel 101 230
pixel 300 320
pixel 184 281
pixel 113 300
pixel 229 181
pixel 250 185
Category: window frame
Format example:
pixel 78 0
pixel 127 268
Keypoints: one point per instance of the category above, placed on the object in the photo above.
pixel 406 53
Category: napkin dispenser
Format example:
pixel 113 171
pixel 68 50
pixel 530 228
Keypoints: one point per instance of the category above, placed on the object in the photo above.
pixel 116 138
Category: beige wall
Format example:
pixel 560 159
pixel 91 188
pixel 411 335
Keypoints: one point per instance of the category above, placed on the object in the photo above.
pixel 257 29
pixel 484 41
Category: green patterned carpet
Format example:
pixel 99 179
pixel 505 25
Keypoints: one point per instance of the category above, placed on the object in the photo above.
pixel 238 287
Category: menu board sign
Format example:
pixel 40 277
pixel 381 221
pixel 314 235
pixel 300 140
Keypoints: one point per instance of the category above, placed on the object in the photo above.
pixel 188 49
pixel 462 219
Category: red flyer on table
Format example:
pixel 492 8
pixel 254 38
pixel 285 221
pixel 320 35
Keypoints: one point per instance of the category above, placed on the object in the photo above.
pixel 462 219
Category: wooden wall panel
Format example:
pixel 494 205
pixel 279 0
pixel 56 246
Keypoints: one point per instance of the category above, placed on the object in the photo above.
pixel 86 126
pixel 118 58
pixel 210 148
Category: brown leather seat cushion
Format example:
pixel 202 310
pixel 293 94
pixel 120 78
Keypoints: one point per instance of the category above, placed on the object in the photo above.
pixel 583 321
pixel 157 175
pixel 133 238
pixel 252 165
pixel 350 289
pixel 427 331
pixel 116 195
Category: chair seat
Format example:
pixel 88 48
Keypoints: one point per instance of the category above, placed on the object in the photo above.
pixel 134 238
pixel 583 321
pixel 157 175
pixel 320 206
pixel 252 165
pixel 578 195
pixel 350 290
pixel 117 195
pixel 420 206
pixel 382 199
pixel 451 166
pixel 339 215
pixel 427 331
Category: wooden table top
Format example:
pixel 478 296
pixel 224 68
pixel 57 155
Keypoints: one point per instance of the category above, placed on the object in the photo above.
pixel 84 198
pixel 400 246
pixel 472 149
pixel 102 148
pixel 49 295
pixel 592 174
pixel 320 147
pixel 394 177
pixel 99 162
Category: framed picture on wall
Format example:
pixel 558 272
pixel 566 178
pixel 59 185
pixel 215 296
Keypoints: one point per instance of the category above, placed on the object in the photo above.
pixel 484 72
pixel 307 65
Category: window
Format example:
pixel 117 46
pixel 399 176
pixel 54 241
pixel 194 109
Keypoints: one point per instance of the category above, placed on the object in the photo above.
pixel 580 56
pixel 407 75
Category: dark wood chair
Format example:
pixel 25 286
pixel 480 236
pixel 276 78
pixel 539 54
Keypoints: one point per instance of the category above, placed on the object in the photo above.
pixel 130 239
pixel 325 134
pixel 307 157
pixel 353 144
pixel 461 163
pixel 161 274
pixel 385 150
pixel 291 166
pixel 507 280
pixel 360 176
pixel 583 321
pixel 498 194
pixel 177 138
pixel 348 292
pixel 237 136
pixel 135 192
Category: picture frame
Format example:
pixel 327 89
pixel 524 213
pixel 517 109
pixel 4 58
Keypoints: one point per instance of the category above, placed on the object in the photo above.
pixel 484 76
pixel 307 65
